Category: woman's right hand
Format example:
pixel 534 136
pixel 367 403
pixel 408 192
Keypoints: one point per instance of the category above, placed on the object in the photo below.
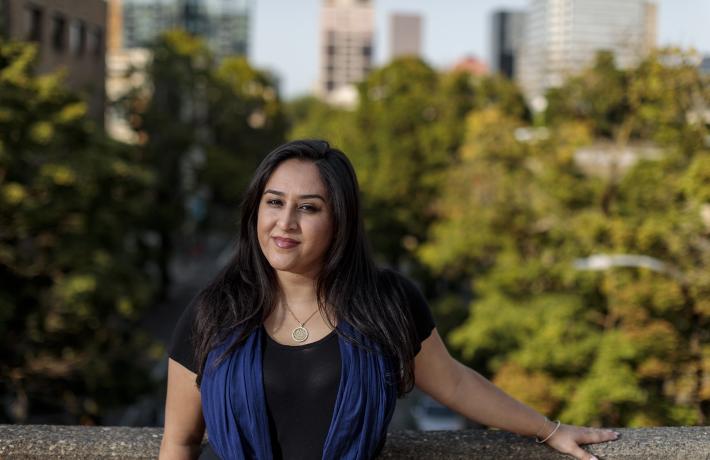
pixel 568 438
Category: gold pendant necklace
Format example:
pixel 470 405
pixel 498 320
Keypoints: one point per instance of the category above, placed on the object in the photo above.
pixel 300 333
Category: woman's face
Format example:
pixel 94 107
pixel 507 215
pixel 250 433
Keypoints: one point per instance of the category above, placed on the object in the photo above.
pixel 294 224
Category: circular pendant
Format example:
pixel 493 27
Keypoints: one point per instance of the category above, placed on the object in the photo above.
pixel 299 334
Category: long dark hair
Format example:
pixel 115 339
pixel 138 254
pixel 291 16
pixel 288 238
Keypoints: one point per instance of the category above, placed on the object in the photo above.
pixel 349 288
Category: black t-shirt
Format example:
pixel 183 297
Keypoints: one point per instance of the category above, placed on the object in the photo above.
pixel 300 382
pixel 301 386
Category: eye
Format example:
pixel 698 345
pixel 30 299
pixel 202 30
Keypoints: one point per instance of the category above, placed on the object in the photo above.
pixel 307 207
pixel 274 202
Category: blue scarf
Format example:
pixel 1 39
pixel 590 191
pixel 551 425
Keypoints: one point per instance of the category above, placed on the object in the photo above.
pixel 234 404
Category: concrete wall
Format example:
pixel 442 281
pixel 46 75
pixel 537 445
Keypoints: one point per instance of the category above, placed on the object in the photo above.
pixel 75 442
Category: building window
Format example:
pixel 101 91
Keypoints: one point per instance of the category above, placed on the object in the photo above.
pixel 330 85
pixel 77 37
pixel 33 20
pixel 95 44
pixel 330 49
pixel 59 26
pixel 367 51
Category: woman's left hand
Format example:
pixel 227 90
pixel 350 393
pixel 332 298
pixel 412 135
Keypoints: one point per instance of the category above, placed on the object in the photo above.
pixel 568 438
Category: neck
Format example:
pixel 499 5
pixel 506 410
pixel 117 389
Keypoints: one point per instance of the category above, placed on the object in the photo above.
pixel 298 290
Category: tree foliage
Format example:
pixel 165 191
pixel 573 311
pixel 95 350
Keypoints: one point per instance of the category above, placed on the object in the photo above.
pixel 168 115
pixel 205 127
pixel 74 264
pixel 623 346
pixel 89 225
pixel 311 118
pixel 246 120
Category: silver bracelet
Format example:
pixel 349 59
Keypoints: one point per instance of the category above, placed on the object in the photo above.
pixel 543 441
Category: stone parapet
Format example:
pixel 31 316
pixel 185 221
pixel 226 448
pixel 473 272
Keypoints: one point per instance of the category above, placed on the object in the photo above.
pixel 79 442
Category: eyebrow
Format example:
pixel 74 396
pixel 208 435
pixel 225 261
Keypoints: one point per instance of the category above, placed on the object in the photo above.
pixel 302 197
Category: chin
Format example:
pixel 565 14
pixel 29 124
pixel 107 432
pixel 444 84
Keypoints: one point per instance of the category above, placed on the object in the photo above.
pixel 291 268
pixel 283 266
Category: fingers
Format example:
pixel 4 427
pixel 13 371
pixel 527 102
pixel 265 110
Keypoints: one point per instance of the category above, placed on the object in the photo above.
pixel 581 454
pixel 568 439
pixel 593 436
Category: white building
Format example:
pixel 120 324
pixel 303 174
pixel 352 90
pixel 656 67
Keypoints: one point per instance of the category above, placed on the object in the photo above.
pixel 563 36
pixel 347 28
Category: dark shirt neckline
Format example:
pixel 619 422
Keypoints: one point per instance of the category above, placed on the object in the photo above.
pixel 332 334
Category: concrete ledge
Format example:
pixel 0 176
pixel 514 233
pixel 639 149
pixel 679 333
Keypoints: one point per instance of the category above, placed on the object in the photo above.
pixel 78 442
pixel 677 443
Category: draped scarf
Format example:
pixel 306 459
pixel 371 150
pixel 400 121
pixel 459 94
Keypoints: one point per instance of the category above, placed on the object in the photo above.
pixel 234 403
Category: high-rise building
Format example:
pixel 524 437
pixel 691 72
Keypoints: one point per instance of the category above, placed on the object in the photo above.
pixel 563 36
pixel 144 20
pixel 405 35
pixel 69 36
pixel 507 35
pixel 347 28
pixel 224 24
pixel 228 23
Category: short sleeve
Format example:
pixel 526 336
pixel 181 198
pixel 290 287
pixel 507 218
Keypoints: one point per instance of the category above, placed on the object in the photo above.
pixel 182 349
pixel 421 313
pixel 418 306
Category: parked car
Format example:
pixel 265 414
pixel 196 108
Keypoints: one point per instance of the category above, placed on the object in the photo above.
pixel 429 415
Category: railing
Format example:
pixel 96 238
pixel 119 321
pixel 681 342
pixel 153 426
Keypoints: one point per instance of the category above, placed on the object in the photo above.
pixel 79 442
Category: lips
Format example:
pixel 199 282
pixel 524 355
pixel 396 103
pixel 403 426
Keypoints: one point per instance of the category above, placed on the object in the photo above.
pixel 285 243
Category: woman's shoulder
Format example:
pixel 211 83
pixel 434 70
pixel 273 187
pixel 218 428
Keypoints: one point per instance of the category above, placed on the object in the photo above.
pixel 388 277
pixel 405 288
pixel 412 298
pixel 181 347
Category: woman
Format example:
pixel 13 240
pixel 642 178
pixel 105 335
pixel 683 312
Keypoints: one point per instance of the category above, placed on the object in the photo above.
pixel 300 346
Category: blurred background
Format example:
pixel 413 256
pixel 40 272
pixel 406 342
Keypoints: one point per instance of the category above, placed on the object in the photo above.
pixel 541 168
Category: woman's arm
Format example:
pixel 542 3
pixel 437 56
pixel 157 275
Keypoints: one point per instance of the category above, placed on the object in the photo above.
pixel 184 424
pixel 470 394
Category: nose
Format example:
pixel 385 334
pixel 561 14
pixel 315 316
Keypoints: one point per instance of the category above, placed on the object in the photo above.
pixel 288 219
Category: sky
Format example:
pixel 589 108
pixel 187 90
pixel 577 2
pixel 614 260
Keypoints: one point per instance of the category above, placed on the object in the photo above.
pixel 284 33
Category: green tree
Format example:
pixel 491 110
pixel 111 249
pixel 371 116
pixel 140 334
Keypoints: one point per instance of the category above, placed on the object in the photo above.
pixel 170 115
pixel 311 118
pixel 246 121
pixel 624 346
pixel 74 266
pixel 402 148
pixel 596 95
pixel 205 126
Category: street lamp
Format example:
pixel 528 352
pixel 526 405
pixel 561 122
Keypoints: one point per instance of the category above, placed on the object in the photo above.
pixel 598 262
